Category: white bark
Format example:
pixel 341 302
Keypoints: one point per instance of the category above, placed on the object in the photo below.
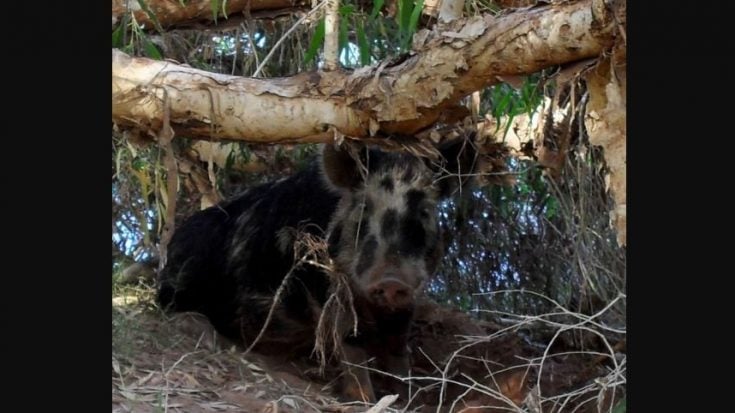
pixel 331 36
pixel 404 98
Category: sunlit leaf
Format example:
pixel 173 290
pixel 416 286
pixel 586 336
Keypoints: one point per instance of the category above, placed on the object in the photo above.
pixel 214 5
pixel 224 8
pixel 138 164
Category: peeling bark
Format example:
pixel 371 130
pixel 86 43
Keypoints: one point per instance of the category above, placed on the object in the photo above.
pixel 450 10
pixel 605 120
pixel 172 12
pixel 190 168
pixel 449 62
pixel 219 153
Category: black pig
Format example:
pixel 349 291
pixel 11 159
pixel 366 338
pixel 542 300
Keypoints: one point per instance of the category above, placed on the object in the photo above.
pixel 381 227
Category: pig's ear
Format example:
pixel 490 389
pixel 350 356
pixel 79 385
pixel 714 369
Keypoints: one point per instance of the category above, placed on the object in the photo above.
pixel 340 166
pixel 459 164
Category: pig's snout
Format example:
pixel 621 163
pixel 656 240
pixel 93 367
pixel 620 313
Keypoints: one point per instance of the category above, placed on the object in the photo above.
pixel 391 293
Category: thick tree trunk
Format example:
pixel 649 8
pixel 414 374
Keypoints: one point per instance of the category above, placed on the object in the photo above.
pixel 173 12
pixel 405 96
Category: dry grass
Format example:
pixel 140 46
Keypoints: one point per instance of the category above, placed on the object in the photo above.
pixel 163 364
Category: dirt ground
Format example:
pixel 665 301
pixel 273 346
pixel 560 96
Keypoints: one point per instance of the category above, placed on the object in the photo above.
pixel 179 364
pixel 162 364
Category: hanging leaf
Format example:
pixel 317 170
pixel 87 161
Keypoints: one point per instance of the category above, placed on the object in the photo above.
pixel 342 38
pixel 345 13
pixel 151 15
pixel 405 7
pixel 224 6
pixel 316 42
pixel 377 5
pixel 117 36
pixel 214 5
pixel 414 20
pixel 500 108
pixel 552 206
pixel 151 50
pixel 363 45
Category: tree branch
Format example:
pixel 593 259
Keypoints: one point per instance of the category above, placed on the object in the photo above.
pixel 331 36
pixel 449 62
pixel 172 12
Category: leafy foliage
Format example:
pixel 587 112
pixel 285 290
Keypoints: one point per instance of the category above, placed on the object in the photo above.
pixel 131 37
pixel 368 37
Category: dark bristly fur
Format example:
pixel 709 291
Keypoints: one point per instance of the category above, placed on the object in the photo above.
pixel 228 261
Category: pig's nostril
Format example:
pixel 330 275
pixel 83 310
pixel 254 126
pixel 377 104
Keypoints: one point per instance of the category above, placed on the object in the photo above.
pixel 391 293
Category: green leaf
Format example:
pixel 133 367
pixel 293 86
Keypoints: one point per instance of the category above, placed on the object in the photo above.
pixel 245 153
pixel 500 108
pixel 214 5
pixel 117 36
pixel 523 188
pixel 151 50
pixel 405 7
pixel 363 45
pixel 508 125
pixel 620 408
pixel 138 164
pixel 230 161
pixel 377 5
pixel 342 39
pixel 347 10
pixel 128 49
pixel 414 20
pixel 496 195
pixel 316 41
pixel 552 206
pixel 151 15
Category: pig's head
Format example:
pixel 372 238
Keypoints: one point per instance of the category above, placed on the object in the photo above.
pixel 385 232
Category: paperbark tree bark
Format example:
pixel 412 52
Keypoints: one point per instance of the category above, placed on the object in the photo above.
pixel 401 96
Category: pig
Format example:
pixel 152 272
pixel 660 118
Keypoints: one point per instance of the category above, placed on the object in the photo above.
pixel 377 212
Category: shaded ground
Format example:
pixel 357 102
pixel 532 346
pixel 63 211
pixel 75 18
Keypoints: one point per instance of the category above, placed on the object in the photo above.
pixel 163 364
